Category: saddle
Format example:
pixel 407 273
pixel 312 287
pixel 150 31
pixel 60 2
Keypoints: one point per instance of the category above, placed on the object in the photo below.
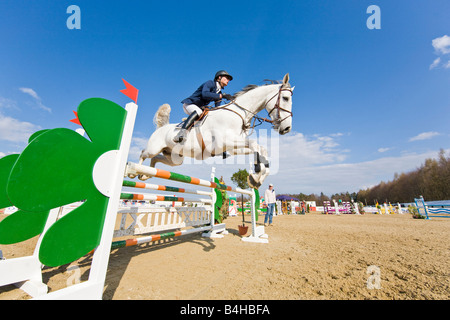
pixel 197 122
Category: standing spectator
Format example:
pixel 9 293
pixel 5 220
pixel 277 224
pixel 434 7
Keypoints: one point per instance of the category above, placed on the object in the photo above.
pixel 303 207
pixel 270 198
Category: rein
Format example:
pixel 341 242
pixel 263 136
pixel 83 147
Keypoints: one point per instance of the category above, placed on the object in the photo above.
pixel 255 116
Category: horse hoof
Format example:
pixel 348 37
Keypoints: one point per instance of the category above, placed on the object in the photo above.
pixel 251 182
pixel 143 177
pixel 131 176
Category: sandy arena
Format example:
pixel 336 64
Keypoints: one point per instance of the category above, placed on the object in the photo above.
pixel 312 256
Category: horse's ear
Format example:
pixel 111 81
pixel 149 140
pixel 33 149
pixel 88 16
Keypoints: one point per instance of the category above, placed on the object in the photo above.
pixel 286 78
pixel 292 89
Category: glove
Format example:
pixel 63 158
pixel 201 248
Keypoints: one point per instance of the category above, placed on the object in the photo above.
pixel 227 96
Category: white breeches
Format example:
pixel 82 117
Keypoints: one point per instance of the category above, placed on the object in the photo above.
pixel 189 108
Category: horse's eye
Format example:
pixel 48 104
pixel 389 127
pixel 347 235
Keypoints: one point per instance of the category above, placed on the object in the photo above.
pixel 286 99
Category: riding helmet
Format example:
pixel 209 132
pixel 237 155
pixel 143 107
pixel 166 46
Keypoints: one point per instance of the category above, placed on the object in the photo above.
pixel 223 73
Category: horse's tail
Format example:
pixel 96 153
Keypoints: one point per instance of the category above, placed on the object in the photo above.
pixel 162 116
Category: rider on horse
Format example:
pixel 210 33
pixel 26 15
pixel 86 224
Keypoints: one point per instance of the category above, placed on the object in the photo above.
pixel 207 92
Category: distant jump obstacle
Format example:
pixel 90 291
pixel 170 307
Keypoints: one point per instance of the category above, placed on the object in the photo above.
pixel 345 208
pixel 107 175
pixel 428 210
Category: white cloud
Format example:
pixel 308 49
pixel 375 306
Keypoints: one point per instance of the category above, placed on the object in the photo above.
pixel 7 103
pixel 36 97
pixel 137 145
pixel 14 130
pixel 316 149
pixel 381 150
pixel 441 47
pixel 424 136
pixel 316 164
pixel 139 142
pixel 31 92
pixel 435 63
pixel 339 134
pixel 342 177
pixel 442 44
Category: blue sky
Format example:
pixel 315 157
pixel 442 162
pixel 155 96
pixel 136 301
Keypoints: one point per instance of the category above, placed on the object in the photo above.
pixel 367 103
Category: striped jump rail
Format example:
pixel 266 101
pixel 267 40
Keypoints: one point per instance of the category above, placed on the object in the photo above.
pixel 155 197
pixel 136 169
pixel 436 211
pixel 148 186
pixel 156 237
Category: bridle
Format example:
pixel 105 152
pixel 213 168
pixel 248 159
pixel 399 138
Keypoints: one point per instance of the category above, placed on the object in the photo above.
pixel 277 107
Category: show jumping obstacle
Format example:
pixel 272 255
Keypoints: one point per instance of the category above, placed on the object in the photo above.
pixel 157 219
pixel 345 208
pixel 108 170
pixel 429 210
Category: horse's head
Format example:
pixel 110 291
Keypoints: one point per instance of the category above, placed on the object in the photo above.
pixel 279 107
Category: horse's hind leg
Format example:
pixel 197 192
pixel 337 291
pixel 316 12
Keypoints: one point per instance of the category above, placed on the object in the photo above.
pixel 155 145
pixel 167 160
pixel 144 155
pixel 152 150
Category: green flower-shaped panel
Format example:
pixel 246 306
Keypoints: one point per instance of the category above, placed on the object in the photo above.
pixel 55 169
pixel 8 226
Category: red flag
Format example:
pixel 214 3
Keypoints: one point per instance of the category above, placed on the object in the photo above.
pixel 131 92
pixel 76 120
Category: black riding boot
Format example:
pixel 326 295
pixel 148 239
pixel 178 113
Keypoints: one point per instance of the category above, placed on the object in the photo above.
pixel 181 136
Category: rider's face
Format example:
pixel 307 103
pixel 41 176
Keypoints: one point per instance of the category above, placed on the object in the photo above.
pixel 223 81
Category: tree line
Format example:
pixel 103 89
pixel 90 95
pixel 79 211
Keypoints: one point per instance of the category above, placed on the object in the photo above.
pixel 431 180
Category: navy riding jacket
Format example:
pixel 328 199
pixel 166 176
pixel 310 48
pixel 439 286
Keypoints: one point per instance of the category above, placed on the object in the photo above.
pixel 204 95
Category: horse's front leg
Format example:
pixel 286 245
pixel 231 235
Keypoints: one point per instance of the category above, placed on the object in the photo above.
pixel 261 164
pixel 261 160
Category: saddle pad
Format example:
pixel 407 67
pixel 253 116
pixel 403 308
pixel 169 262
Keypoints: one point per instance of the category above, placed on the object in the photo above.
pixel 197 122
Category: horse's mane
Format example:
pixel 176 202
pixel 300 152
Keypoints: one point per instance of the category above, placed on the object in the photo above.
pixel 246 89
pixel 250 87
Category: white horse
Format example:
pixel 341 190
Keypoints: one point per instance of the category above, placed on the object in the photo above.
pixel 225 128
